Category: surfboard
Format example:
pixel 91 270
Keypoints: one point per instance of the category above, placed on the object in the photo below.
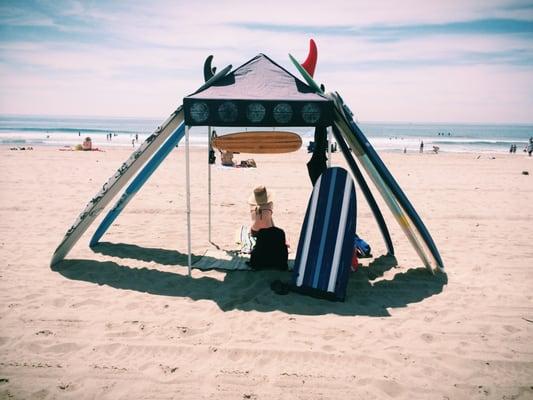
pixel 111 188
pixel 398 203
pixel 325 247
pixel 138 183
pixel 259 142
pixel 366 191
pixel 308 78
pixel 400 206
pixel 128 169
pixel 353 166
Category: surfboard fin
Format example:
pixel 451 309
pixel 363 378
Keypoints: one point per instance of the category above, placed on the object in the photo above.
pixel 209 71
pixel 310 62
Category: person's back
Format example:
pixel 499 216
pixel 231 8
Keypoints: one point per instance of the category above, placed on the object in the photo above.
pixel 261 209
pixel 270 250
pixel 227 159
pixel 261 217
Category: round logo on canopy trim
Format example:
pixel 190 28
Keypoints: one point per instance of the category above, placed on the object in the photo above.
pixel 255 112
pixel 282 113
pixel 228 111
pixel 311 113
pixel 199 111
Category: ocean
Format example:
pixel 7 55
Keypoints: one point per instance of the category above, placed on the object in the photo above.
pixel 19 131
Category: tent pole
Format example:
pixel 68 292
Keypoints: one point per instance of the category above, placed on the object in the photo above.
pixel 329 146
pixel 209 149
pixel 188 183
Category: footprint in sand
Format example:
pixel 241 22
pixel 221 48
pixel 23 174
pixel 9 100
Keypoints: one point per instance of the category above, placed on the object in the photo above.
pixel 426 337
pixel 511 329
pixel 328 348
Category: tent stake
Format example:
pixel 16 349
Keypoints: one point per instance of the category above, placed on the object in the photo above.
pixel 209 149
pixel 329 146
pixel 188 183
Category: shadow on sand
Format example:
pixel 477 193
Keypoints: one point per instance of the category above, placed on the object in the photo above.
pixel 250 290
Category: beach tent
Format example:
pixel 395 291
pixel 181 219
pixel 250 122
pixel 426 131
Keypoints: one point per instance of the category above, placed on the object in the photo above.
pixel 260 93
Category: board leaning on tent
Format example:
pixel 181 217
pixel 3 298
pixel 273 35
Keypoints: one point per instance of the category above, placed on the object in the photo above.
pixel 401 207
pixel 396 200
pixel 307 69
pixel 259 142
pixel 138 183
pixel 128 169
pixel 111 188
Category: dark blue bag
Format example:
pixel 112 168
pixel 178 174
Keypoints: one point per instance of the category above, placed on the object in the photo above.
pixel 363 248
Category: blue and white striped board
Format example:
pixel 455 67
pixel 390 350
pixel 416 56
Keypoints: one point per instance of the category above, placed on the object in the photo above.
pixel 325 248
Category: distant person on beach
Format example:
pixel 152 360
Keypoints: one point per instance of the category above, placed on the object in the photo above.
pixel 421 146
pixel 87 144
pixel 133 142
pixel 226 158
pixel 530 146
pixel 137 137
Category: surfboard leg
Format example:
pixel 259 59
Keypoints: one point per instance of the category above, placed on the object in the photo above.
pixel 412 229
pixel 115 184
pixel 366 190
pixel 138 182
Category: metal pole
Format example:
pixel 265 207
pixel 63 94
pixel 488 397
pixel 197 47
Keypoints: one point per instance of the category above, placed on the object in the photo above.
pixel 209 149
pixel 329 146
pixel 188 183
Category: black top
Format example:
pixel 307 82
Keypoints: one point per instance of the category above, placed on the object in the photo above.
pixel 270 251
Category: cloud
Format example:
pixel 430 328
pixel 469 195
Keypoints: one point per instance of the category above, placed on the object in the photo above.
pixel 140 58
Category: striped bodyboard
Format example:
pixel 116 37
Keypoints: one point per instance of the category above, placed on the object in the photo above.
pixel 326 241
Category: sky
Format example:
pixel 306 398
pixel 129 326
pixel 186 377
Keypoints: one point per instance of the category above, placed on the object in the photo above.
pixel 392 61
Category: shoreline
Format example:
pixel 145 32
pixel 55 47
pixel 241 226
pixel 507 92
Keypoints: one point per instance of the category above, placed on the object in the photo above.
pixel 127 146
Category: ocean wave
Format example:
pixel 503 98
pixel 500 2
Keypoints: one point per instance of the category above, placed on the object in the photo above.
pixel 63 130
pixel 478 142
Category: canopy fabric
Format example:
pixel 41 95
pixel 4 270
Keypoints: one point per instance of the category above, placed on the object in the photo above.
pixel 258 93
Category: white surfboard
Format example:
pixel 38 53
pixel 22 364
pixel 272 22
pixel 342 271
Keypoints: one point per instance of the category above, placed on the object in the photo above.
pixel 113 186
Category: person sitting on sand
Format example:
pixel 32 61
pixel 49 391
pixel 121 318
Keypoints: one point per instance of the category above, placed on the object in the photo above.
pixel 261 209
pixel 226 158
pixel 270 250
pixel 87 144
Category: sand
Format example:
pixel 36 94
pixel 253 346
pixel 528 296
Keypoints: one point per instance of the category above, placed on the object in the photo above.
pixel 126 322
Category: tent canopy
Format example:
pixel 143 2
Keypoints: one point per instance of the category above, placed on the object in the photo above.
pixel 258 93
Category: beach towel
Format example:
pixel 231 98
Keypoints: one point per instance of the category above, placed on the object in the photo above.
pixel 244 238
pixel 362 248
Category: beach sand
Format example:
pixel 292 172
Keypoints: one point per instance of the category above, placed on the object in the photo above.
pixel 126 322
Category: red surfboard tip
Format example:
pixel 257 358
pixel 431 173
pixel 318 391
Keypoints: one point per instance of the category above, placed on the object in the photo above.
pixel 310 62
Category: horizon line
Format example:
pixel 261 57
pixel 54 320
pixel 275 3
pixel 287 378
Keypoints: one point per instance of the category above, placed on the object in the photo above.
pixel 406 122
